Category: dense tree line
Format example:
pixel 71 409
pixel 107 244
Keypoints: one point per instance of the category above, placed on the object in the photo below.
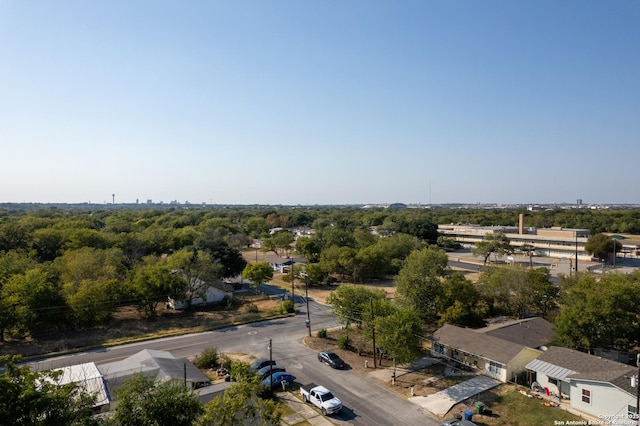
pixel 65 269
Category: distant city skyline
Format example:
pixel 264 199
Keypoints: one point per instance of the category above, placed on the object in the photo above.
pixel 320 103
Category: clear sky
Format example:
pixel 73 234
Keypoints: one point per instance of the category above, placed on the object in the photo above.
pixel 320 102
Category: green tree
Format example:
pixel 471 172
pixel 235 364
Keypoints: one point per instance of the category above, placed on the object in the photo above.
pixel 256 227
pixel 600 312
pixel 420 224
pixel 515 291
pixel 14 262
pixel 461 303
pixel 37 398
pixel 309 248
pixel 229 258
pixel 399 334
pixel 92 283
pixel 258 273
pixel 151 283
pixel 542 293
pixel 495 243
pixel 198 270
pixel 601 245
pixel 418 283
pixel 313 274
pixel 340 260
pixel 31 303
pixel 448 243
pixel 529 249
pixel 144 402
pixel 48 243
pixel 240 404
pixel 351 303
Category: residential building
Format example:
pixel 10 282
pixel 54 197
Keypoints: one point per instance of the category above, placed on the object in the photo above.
pixel 593 385
pixel 492 356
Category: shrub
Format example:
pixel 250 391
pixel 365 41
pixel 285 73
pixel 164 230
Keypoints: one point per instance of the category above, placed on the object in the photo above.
pixel 322 333
pixel 208 358
pixel 343 342
pixel 226 362
pixel 252 308
pixel 287 307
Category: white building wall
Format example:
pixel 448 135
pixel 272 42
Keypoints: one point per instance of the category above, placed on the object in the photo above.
pixel 212 295
pixel 606 399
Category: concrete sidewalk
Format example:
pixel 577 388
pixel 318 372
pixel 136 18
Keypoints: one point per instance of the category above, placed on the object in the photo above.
pixel 303 412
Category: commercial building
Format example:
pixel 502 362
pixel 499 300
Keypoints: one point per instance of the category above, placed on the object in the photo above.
pixel 556 242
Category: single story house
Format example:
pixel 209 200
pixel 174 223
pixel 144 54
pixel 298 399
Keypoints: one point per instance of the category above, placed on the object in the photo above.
pixel 90 380
pixel 161 365
pixel 282 266
pixel 214 292
pixel 593 385
pixel 492 356
pixel 534 332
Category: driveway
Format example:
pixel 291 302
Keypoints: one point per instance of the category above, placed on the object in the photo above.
pixel 441 402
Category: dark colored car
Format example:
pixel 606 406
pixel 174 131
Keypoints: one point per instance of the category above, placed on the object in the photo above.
pixel 259 363
pixel 278 378
pixel 263 373
pixel 331 359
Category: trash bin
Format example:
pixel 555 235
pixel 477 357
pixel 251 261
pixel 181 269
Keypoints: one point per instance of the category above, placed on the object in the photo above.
pixel 468 414
pixel 479 407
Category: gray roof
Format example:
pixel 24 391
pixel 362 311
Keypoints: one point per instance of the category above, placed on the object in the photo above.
pixel 531 332
pixel 479 344
pixel 161 365
pixel 88 378
pixel 563 363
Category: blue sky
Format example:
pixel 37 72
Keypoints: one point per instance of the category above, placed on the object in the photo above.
pixel 320 102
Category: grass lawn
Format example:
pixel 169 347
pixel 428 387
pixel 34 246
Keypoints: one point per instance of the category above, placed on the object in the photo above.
pixel 517 410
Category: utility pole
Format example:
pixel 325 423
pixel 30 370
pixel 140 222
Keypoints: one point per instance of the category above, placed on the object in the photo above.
pixel 293 296
pixel 306 296
pixel 373 332
pixel 270 369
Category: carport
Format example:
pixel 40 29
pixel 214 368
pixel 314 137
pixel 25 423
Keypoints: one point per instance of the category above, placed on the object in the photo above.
pixel 441 402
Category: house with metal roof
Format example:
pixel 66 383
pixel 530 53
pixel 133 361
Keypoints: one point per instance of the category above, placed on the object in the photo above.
pixel 596 386
pixel 160 365
pixel 489 355
pixel 89 379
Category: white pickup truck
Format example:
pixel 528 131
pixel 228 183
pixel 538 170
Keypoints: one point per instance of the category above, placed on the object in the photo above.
pixel 321 397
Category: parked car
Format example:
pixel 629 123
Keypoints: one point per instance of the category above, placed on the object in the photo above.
pixel 259 363
pixel 264 372
pixel 278 378
pixel 321 397
pixel 331 359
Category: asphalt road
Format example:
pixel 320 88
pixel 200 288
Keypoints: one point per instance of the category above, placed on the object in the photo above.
pixel 365 400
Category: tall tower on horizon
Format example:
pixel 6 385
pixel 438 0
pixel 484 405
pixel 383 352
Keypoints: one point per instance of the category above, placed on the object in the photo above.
pixel 113 198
